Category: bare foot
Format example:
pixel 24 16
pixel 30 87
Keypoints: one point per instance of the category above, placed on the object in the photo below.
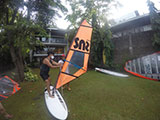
pixel 63 87
pixel 52 96
pixel 8 116
pixel 69 89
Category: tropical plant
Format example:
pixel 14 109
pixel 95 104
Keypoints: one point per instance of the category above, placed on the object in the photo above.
pixel 155 22
pixel 95 12
pixel 18 28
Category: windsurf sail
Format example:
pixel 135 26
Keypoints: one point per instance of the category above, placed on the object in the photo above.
pixel 76 61
pixel 147 67
pixel 7 87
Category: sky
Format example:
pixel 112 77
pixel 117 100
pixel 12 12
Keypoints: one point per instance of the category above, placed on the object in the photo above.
pixel 128 6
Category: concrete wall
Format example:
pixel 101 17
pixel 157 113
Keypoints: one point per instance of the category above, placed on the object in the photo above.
pixel 132 46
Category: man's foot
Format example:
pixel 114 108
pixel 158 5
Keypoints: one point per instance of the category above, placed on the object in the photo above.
pixel 8 116
pixel 52 96
pixel 63 87
pixel 69 89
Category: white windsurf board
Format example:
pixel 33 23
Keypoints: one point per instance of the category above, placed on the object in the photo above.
pixel 111 72
pixel 56 106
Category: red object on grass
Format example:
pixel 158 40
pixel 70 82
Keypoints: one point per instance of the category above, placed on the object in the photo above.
pixel 7 87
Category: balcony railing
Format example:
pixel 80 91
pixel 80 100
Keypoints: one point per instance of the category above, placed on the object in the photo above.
pixel 53 41
pixel 44 55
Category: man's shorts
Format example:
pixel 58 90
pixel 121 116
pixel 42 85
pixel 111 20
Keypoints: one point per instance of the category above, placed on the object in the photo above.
pixel 44 76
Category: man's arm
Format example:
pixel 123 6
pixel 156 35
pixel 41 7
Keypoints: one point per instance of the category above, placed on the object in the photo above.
pixel 55 63
pixel 47 62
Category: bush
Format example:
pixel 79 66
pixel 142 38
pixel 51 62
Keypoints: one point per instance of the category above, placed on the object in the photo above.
pixel 29 76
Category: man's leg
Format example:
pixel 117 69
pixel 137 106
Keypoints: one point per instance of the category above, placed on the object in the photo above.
pixel 48 83
pixel 68 87
pixel 3 111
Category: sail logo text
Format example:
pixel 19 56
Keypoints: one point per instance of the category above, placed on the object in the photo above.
pixel 81 44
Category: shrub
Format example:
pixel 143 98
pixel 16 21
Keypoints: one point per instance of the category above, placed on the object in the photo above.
pixel 29 76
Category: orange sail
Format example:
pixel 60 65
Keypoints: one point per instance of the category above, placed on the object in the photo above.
pixel 77 57
pixel 8 87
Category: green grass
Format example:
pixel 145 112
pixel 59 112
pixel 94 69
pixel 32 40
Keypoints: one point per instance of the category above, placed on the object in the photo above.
pixel 94 96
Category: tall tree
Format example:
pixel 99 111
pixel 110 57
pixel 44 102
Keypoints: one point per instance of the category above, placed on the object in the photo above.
pixel 95 11
pixel 43 12
pixel 18 29
pixel 155 22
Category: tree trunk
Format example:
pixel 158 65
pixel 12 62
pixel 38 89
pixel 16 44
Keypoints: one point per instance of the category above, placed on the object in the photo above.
pixel 17 60
pixel 101 53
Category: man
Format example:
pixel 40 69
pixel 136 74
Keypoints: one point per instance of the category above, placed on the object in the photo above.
pixel 61 61
pixel 3 111
pixel 48 63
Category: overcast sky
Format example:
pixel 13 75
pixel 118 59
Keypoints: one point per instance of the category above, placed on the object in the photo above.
pixel 132 5
pixel 128 6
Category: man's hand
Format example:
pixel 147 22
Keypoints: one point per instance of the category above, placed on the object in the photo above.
pixel 61 64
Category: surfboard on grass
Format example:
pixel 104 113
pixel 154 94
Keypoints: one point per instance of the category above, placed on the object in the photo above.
pixel 111 72
pixel 147 67
pixel 75 64
pixel 56 106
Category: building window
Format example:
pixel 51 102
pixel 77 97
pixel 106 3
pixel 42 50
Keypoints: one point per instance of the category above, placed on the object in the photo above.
pixel 53 40
pixel 147 28
pixel 59 50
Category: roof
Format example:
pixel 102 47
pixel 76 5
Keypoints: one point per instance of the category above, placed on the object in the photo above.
pixel 131 23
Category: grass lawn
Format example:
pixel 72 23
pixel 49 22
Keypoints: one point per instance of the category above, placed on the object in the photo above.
pixel 94 96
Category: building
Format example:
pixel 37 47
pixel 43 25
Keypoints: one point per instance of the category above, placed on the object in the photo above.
pixel 133 25
pixel 55 42
pixel 132 38
pixel 130 15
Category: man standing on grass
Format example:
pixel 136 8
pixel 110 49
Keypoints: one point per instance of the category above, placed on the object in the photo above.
pixel 61 61
pixel 48 63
